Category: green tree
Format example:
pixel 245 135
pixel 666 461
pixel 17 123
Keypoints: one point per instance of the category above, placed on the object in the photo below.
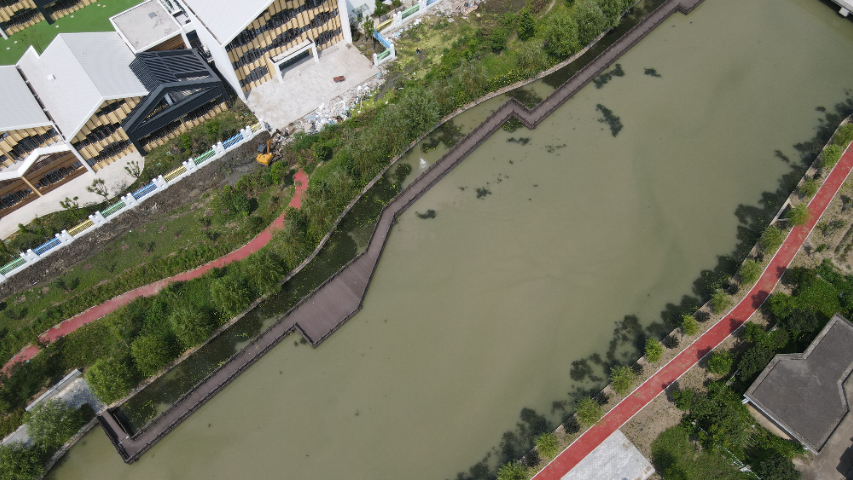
pixel 621 379
pixel 720 363
pixel 151 353
pixel 753 362
pixel 591 21
pixel 526 24
pixel 191 325
pixel 588 411
pixel 368 27
pixel 654 350
pixel 830 156
pixel 498 38
pixel 561 36
pixel 99 187
pixel 512 471
pixel 53 423
pixel 612 10
pixel 720 301
pixel 18 462
pixel 689 325
pixel 750 271
pixel 418 112
pixel 771 239
pixel 777 468
pixel 111 379
pixel 809 188
pixel 548 445
pixel 798 215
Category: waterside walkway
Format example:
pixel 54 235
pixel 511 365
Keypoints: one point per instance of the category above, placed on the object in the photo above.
pixel 340 297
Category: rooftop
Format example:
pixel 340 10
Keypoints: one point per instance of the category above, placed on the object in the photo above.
pixel 77 72
pixel 807 393
pixel 145 25
pixel 615 458
pixel 222 19
pixel 18 108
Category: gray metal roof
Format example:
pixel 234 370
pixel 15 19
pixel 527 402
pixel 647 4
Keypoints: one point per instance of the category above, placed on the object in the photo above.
pixel 18 108
pixel 145 25
pixel 807 393
pixel 77 72
pixel 226 18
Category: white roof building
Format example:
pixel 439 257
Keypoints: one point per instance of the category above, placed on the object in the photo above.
pixel 18 108
pixel 223 18
pixel 77 72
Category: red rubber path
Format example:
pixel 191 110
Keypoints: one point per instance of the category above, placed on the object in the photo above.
pixel 94 313
pixel 652 387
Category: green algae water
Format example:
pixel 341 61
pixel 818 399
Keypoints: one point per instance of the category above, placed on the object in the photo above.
pixel 536 245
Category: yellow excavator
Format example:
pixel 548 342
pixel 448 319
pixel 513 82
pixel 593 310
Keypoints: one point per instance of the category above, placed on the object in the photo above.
pixel 265 155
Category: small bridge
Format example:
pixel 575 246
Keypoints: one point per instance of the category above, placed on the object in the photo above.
pixel 340 297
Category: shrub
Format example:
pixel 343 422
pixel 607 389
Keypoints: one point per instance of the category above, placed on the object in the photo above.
pixel 670 341
pixel 230 293
pixel 191 325
pixel 53 423
pixel 111 379
pixel 621 378
pixel 720 301
pixel 798 215
pixel 750 271
pixel 612 10
pixel 512 471
pixel 322 151
pixel 151 353
pixel 18 462
pixel 843 136
pixel 654 350
pixel 498 39
pixel 809 188
pixel 720 363
pixel 547 445
pixel 689 325
pixel 588 411
pixel 561 36
pixel 531 59
pixel 676 457
pixel 771 239
pixel 526 25
pixel 830 156
pixel 777 467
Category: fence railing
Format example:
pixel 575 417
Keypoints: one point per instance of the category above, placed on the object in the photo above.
pixel 411 11
pixel 128 202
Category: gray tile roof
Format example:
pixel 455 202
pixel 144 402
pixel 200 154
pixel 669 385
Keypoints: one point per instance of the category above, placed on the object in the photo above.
pixel 807 393
pixel 226 18
pixel 77 72
pixel 18 107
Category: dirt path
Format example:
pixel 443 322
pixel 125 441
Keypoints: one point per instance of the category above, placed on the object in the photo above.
pixel 96 312
pixel 670 372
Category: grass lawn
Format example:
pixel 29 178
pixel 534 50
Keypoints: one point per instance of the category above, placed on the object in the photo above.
pixel 92 18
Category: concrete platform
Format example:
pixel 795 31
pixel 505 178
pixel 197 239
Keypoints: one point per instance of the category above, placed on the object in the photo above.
pixel 614 459
pixel 114 175
pixel 280 103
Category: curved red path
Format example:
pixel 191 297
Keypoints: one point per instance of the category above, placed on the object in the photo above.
pixel 670 372
pixel 94 313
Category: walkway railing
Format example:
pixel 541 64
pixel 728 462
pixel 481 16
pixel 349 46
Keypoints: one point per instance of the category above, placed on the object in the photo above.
pixel 128 202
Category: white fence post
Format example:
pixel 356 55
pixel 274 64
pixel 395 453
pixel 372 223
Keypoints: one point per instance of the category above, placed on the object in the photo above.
pixel 129 200
pixel 398 18
pixel 64 237
pixel 30 256
pixel 219 149
pixel 190 166
pixel 161 183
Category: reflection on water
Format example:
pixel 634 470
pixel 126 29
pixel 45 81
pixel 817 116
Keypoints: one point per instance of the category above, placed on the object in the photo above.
pixel 549 253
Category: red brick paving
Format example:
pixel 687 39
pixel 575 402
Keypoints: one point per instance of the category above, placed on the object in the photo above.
pixel 94 313
pixel 652 387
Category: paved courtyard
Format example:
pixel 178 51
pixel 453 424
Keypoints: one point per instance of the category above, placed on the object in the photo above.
pixel 114 175
pixel 275 102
